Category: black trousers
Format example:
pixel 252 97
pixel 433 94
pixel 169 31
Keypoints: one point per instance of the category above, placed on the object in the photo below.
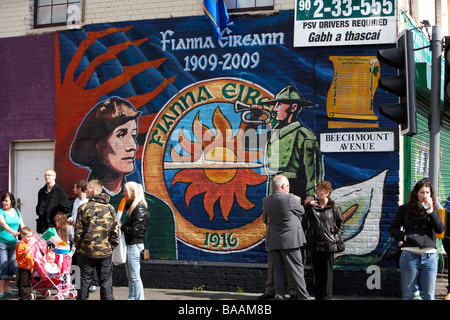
pixel 322 264
pixel 104 272
pixel 24 284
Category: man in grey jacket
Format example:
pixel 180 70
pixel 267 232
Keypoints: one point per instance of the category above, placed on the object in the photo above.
pixel 285 237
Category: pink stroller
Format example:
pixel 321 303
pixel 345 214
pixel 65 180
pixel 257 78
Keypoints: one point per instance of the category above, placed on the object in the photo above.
pixel 41 281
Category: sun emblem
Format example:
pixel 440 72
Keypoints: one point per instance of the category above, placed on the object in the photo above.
pixel 215 163
pixel 208 166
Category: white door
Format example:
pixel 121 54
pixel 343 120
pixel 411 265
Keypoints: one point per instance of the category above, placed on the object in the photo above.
pixel 31 160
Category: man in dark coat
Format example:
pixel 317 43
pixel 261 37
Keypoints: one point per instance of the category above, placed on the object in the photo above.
pixel 52 198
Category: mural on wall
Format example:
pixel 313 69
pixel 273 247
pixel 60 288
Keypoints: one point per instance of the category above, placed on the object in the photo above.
pixel 204 124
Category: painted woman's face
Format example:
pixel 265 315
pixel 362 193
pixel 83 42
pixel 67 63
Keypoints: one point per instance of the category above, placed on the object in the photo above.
pixel 117 150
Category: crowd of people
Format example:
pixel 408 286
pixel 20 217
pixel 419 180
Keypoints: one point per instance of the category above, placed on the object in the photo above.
pixel 415 225
pixel 90 232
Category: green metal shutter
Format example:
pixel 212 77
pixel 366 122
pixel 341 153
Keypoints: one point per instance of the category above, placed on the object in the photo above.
pixel 420 146
pixel 444 177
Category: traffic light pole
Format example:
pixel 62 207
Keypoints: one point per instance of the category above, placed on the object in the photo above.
pixel 435 116
pixel 403 84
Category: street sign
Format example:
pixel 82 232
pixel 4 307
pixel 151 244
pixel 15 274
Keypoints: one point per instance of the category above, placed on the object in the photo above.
pixel 344 22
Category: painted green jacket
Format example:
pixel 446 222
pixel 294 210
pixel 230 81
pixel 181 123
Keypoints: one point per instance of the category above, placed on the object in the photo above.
pixel 293 151
pixel 96 229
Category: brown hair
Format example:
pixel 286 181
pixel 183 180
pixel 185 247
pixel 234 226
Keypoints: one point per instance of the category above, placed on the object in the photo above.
pixel 414 199
pixel 11 198
pixel 25 231
pixel 62 218
pixel 82 184
pixel 98 124
pixel 325 185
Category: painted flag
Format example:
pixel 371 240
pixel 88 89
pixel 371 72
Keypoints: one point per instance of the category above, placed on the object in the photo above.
pixel 52 236
pixel 216 12
pixel 122 204
pixel 119 255
pixel 120 210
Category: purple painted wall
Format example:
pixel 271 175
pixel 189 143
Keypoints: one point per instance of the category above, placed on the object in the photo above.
pixel 27 93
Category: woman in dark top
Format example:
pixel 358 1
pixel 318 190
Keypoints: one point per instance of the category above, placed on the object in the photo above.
pixel 415 225
pixel 325 237
pixel 134 228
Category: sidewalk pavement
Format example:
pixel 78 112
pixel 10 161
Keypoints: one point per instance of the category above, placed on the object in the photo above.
pixel 121 293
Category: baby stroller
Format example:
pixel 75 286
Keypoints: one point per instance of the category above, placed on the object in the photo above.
pixel 41 281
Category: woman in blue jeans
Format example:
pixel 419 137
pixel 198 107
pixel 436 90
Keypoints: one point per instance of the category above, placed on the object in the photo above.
pixel 134 228
pixel 415 225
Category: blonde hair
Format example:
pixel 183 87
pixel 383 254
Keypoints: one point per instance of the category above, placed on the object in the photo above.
pixel 136 193
pixel 96 185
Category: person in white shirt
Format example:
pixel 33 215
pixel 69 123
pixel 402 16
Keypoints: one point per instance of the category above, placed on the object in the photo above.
pixel 79 189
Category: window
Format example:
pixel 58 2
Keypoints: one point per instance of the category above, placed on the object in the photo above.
pixel 248 5
pixel 48 13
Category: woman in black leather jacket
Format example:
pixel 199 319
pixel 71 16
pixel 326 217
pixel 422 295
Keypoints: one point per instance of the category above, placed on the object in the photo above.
pixel 324 237
pixel 134 228
pixel 415 225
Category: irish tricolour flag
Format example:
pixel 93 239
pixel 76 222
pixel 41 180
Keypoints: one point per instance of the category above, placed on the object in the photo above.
pixel 52 236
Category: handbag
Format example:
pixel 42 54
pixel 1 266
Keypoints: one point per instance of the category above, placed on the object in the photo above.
pixel 405 221
pixel 120 252
pixel 340 246
pixel 119 255
pixel 145 254
pixel 442 215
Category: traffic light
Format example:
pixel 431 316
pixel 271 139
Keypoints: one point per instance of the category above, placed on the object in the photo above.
pixel 447 74
pixel 403 85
